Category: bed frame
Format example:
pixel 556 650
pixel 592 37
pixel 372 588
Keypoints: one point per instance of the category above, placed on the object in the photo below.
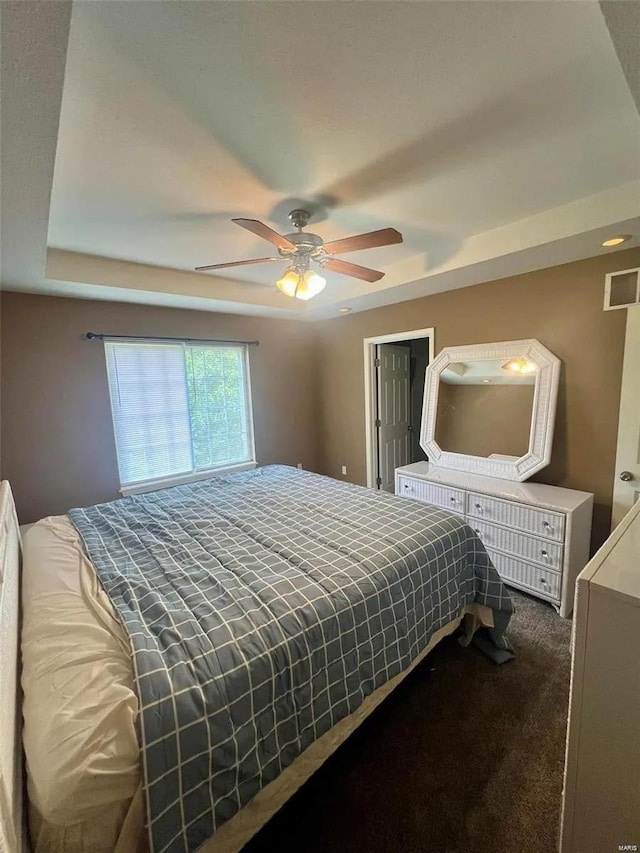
pixel 12 823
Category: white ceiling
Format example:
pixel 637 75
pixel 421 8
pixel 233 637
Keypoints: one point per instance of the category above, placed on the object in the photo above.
pixel 495 136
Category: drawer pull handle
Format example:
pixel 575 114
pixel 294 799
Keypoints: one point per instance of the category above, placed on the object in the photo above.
pixel 477 531
pixel 546 524
pixel 543 581
pixel 544 553
pixel 453 500
pixel 479 507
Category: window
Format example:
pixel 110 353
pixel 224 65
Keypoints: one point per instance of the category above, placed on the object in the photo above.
pixel 178 409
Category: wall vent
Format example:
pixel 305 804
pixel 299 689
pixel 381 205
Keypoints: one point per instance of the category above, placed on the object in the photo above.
pixel 622 289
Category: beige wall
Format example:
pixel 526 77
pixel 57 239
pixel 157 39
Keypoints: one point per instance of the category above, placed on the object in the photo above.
pixel 561 306
pixel 308 379
pixel 479 420
pixel 58 448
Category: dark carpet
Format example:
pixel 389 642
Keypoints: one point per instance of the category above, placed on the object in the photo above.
pixel 463 757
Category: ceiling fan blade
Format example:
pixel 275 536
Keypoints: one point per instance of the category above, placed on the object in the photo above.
pixel 237 264
pixel 262 230
pixel 354 270
pixel 371 240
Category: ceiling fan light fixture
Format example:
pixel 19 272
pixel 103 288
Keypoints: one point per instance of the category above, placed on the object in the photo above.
pixel 519 365
pixel 288 284
pixel 301 285
pixel 311 284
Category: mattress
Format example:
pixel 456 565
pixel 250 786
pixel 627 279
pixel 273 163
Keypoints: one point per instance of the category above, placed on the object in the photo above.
pixel 81 708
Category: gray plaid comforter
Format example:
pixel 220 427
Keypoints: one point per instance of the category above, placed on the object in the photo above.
pixel 262 608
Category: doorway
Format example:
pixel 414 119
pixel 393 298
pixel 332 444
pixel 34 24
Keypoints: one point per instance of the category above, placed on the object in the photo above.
pixel 395 367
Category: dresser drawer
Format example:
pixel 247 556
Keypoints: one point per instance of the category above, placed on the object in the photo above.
pixel 431 493
pixel 541 522
pixel 531 548
pixel 533 577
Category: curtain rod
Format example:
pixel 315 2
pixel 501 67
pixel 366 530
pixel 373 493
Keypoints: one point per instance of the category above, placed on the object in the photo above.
pixel 101 336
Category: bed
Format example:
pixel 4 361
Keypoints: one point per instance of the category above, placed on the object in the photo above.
pixel 356 582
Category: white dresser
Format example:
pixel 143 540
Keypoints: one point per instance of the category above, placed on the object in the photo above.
pixel 536 535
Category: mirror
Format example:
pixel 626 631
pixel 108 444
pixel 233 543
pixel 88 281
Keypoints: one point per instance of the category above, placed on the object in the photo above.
pixel 491 408
pixel 484 408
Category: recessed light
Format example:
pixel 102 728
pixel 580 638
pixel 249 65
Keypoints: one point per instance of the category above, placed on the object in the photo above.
pixel 615 241
pixel 343 310
pixel 486 381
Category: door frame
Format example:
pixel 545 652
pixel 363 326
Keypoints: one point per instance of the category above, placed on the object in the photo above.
pixel 370 396
pixel 629 407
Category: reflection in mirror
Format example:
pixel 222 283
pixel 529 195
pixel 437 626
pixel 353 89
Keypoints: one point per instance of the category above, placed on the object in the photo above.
pixel 484 408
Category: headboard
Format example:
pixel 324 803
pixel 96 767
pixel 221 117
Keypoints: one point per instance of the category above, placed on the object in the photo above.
pixel 11 779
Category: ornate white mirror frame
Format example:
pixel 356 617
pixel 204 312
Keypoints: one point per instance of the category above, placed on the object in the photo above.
pixel 542 417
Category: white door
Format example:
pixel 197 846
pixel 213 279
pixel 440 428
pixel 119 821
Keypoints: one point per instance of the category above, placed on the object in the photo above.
pixel 626 483
pixel 393 412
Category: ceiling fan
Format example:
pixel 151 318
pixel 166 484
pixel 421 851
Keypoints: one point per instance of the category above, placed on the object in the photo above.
pixel 302 247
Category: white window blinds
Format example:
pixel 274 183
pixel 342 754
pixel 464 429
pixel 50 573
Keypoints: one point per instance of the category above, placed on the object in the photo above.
pixel 178 409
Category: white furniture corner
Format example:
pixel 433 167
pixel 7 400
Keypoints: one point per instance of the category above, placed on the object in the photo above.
pixel 601 798
pixel 536 535
pixel 12 825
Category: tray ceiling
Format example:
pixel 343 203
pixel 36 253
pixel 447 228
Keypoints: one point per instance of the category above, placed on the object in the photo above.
pixel 481 131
